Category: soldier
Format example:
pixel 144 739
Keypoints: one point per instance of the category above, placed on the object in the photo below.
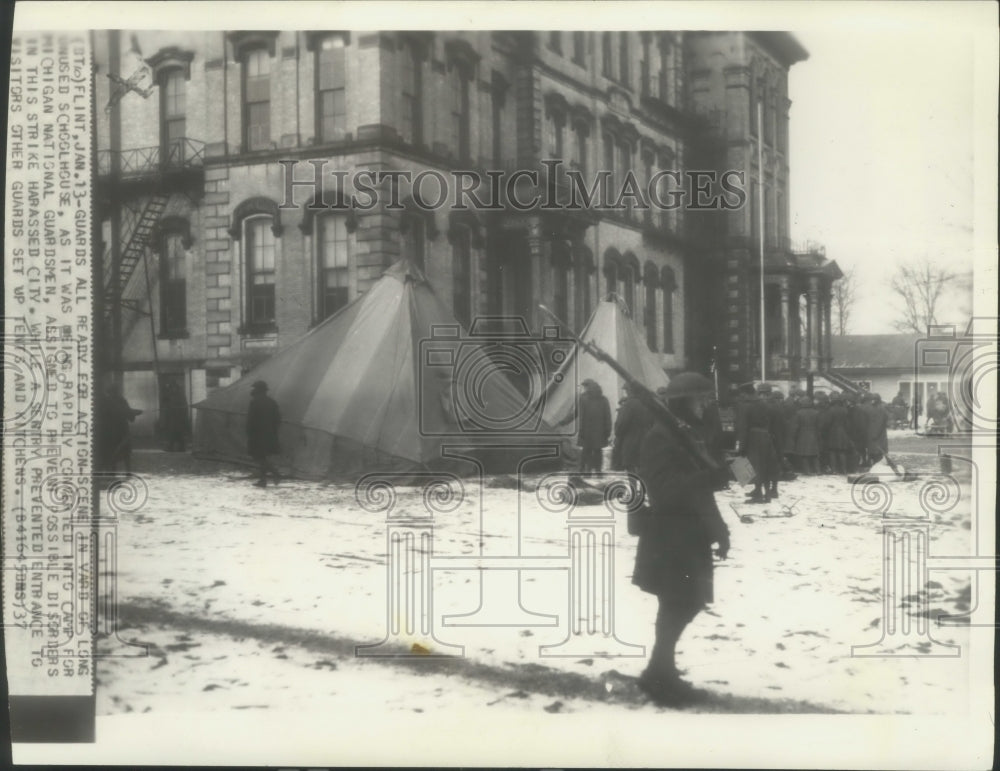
pixel 115 414
pixel 631 425
pixel 263 423
pixel 822 404
pixel 175 416
pixel 674 555
pixel 594 426
pixel 756 442
pixel 807 437
pixel 838 441
pixel 857 427
pixel 878 424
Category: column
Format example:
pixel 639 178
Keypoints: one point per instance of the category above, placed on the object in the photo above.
pixel 813 323
pixel 786 330
pixel 827 342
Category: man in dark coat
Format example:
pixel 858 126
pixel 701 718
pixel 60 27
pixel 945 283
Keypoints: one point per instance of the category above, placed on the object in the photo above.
pixel 807 437
pixel 631 426
pixel 878 424
pixel 175 416
pixel 822 405
pixel 594 425
pixel 857 428
pixel 674 555
pixel 115 414
pixel 756 442
pixel 838 441
pixel 263 422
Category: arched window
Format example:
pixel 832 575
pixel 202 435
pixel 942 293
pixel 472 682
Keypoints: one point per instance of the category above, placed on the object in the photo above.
pixel 629 275
pixel 333 259
pixel 173 116
pixel 256 99
pixel 414 240
pixel 624 59
pixel 612 271
pixel 579 47
pixel 412 78
pixel 583 262
pixel 669 284
pixel 331 85
pixel 173 283
pixel 561 263
pixel 259 250
pixel 606 55
pixel 461 273
pixel 651 282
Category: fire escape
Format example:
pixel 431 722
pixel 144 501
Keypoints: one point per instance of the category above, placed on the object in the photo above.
pixel 136 186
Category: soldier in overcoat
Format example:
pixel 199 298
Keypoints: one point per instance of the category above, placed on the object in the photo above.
pixel 263 423
pixel 674 554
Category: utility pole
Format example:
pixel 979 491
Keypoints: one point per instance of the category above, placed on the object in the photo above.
pixel 760 228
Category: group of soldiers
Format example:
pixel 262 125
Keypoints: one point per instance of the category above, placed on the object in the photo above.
pixel 835 433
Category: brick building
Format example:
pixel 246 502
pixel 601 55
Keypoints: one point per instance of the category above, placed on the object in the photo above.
pixel 206 272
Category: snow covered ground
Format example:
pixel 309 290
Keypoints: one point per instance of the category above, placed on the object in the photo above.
pixel 254 599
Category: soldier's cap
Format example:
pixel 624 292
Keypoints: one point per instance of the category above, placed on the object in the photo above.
pixel 776 394
pixel 764 388
pixel 835 396
pixel 259 385
pixel 688 384
pixel 588 382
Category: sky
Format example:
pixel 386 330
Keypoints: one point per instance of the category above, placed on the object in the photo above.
pixel 882 156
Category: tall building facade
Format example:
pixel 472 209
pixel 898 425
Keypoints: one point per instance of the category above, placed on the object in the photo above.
pixel 211 261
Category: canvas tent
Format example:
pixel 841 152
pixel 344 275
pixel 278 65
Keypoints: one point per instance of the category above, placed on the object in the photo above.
pixel 611 329
pixel 358 391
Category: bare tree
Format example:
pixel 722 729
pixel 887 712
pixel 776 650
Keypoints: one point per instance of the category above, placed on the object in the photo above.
pixel 844 293
pixel 918 288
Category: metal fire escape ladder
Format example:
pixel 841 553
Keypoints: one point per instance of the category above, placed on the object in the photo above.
pixel 133 253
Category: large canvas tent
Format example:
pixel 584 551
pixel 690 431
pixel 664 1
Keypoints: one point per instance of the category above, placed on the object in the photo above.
pixel 354 392
pixel 611 329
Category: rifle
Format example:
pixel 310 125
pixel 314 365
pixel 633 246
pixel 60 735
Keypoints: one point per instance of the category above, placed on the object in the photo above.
pixel 681 430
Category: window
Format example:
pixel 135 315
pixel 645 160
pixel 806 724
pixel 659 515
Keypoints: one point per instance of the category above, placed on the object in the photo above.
pixel 611 274
pixel 650 314
pixel 497 102
pixel 669 285
pixel 173 286
pixel 554 135
pixel 260 248
pixel 458 95
pixel 257 99
pixel 579 47
pixel 647 170
pixel 583 266
pixel 606 56
pixel 414 240
pixel 173 116
pixel 412 128
pixel 645 68
pixel 334 262
pixel 560 279
pixel 628 282
pixel 555 42
pixel 624 59
pixel 331 104
pixel 624 166
pixel 461 271
pixel 579 159
pixel 667 88
pixel 609 163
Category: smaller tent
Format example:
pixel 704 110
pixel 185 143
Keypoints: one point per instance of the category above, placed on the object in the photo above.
pixel 612 330
pixel 372 387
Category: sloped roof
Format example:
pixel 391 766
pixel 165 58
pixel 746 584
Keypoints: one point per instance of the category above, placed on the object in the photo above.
pixel 873 351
